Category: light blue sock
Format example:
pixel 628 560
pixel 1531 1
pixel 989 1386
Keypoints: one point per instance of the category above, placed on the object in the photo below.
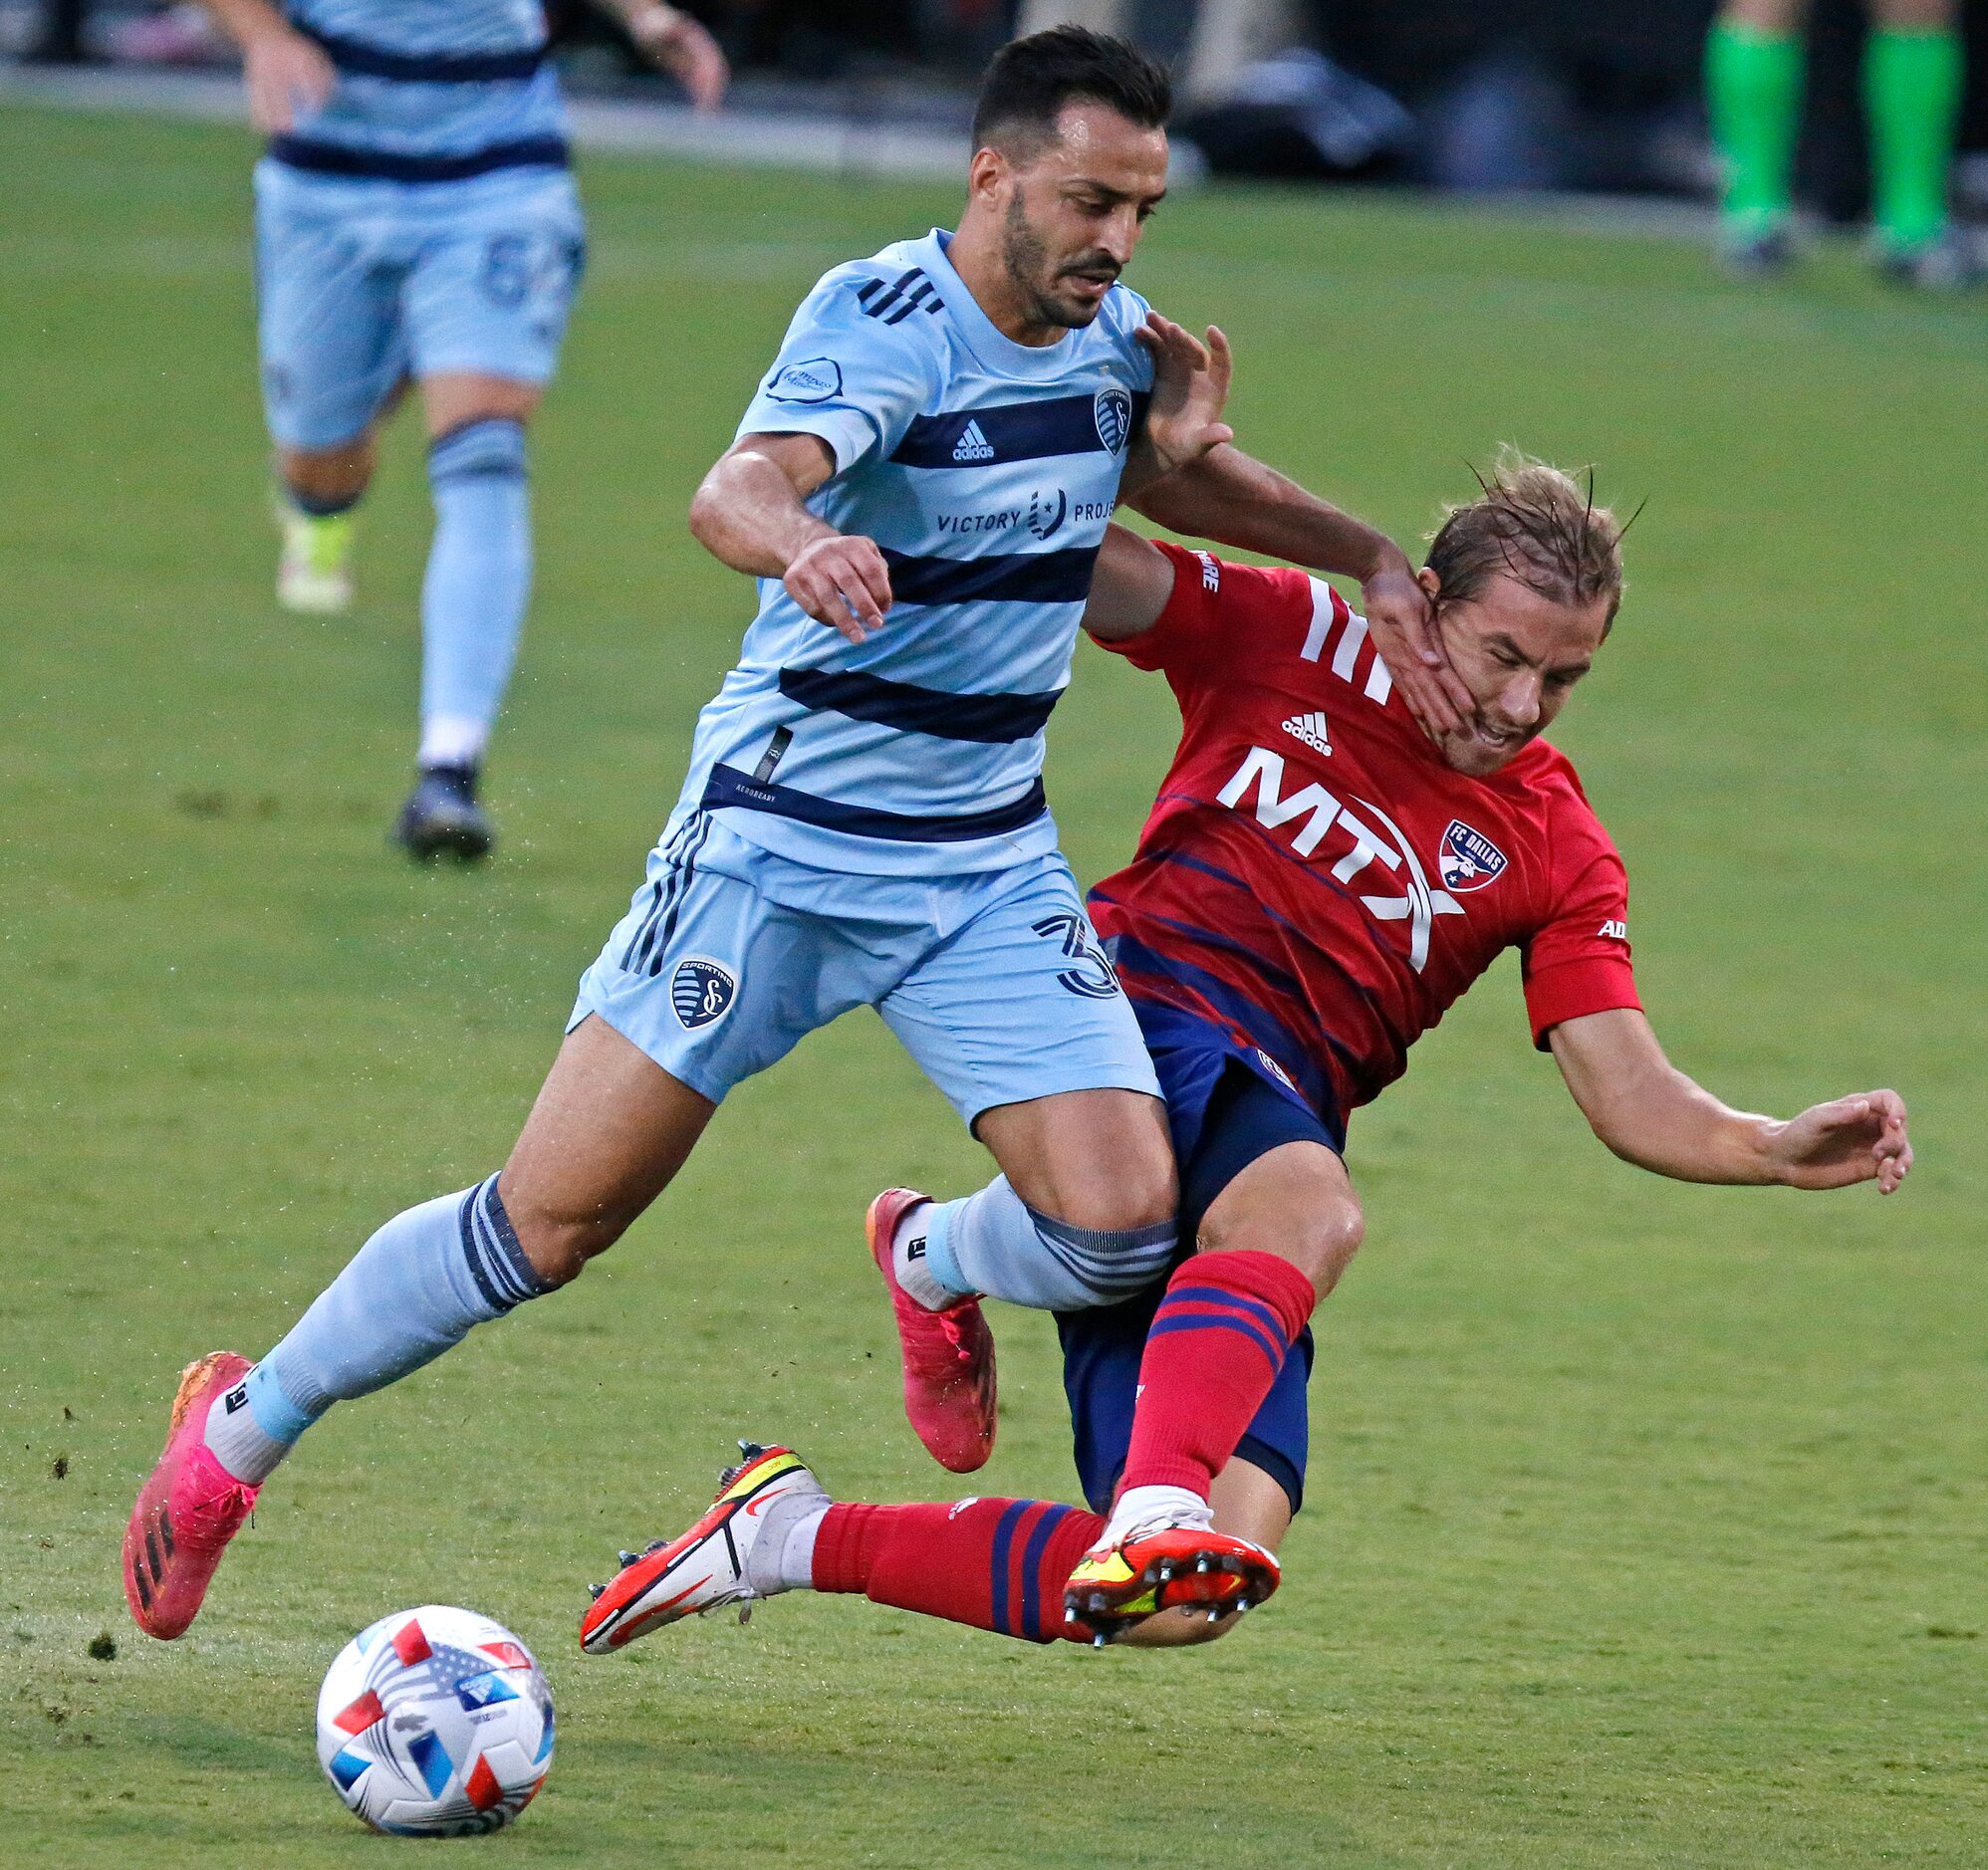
pixel 994 1243
pixel 479 578
pixel 411 1292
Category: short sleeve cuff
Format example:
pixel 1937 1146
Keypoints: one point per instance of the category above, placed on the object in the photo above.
pixel 1571 990
pixel 1151 648
pixel 849 432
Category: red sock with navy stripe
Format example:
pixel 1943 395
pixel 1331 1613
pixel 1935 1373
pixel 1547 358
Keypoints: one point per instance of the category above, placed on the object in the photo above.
pixel 997 1565
pixel 1213 1351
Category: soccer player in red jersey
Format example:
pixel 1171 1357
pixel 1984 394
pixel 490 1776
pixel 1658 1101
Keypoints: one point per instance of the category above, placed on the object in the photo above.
pixel 1319 881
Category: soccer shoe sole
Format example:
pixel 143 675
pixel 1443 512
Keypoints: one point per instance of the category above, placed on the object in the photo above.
pixel 701 1569
pixel 949 1382
pixel 1179 1568
pixel 166 1568
pixel 465 835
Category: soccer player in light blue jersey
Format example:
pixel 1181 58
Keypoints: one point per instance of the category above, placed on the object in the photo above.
pixel 920 485
pixel 415 220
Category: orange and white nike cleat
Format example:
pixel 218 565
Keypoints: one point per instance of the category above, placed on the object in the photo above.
pixel 948 1355
pixel 1154 1568
pixel 188 1509
pixel 706 1567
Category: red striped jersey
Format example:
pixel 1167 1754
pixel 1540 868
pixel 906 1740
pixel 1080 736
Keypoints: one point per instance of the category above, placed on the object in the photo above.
pixel 1315 878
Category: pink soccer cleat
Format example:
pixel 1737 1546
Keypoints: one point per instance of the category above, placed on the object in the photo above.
pixel 187 1510
pixel 948 1355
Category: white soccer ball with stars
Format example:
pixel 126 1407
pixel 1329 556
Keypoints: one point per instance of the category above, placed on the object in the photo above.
pixel 435 1723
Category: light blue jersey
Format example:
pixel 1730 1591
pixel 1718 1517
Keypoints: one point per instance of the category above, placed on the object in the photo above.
pixel 428 90
pixel 986 471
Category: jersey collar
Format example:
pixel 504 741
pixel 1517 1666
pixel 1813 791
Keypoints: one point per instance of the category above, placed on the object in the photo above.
pixel 1040 363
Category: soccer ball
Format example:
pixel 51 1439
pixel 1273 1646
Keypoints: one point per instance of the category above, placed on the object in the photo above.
pixel 435 1723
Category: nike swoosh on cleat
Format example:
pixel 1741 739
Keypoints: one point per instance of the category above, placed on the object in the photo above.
pixel 670 1604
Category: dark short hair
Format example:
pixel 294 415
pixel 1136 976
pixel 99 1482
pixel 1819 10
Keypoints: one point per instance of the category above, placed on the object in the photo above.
pixel 1031 80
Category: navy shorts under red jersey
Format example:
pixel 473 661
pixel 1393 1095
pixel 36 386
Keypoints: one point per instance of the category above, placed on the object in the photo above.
pixel 1226 1104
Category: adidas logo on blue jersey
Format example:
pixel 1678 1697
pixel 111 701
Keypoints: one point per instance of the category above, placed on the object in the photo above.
pixel 1311 730
pixel 972 445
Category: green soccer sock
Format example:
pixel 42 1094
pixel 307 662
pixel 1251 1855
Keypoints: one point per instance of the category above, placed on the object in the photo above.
pixel 1753 90
pixel 1912 99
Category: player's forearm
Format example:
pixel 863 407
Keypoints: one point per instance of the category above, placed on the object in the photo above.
pixel 1679 1129
pixel 748 515
pixel 1652 1114
pixel 1236 500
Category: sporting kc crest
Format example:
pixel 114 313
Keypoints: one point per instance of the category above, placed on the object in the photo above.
pixel 1468 860
pixel 1111 410
pixel 701 990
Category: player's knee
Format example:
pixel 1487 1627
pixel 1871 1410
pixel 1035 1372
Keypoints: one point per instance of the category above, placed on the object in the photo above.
pixel 1112 1239
pixel 1325 1245
pixel 1116 1190
pixel 1319 1240
pixel 327 479
pixel 1131 1206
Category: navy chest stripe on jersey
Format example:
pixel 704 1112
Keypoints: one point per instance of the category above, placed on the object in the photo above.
pixel 893 304
pixel 336 158
pixel 1263 970
pixel 1008 431
pixel 915 710
pixel 727 785
pixel 427 68
pixel 997 577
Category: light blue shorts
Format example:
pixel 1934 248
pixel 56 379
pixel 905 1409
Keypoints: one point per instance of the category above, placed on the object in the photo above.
pixel 995 983
pixel 360 282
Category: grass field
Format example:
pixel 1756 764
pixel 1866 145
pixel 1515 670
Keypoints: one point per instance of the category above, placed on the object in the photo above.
pixel 1647 1520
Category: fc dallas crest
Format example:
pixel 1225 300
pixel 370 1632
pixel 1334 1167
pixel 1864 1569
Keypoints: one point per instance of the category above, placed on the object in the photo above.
pixel 1468 860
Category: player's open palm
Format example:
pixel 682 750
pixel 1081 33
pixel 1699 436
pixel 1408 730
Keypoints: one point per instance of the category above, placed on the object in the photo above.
pixel 1190 389
pixel 1850 1140
pixel 287 77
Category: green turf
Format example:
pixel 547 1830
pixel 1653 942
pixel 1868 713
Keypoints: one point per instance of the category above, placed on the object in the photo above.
pixel 1646 1523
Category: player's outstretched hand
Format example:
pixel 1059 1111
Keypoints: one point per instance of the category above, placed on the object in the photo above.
pixel 675 43
pixel 287 76
pixel 1190 388
pixel 1403 623
pixel 1837 1145
pixel 843 581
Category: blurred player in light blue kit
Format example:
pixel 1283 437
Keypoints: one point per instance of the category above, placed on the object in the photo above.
pixel 415 219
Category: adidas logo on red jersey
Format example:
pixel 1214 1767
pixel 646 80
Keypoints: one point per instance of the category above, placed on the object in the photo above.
pixel 1311 730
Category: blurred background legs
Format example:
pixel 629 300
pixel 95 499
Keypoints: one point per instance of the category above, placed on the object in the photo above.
pixel 1912 73
pixel 57 35
pixel 1753 93
pixel 1911 78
